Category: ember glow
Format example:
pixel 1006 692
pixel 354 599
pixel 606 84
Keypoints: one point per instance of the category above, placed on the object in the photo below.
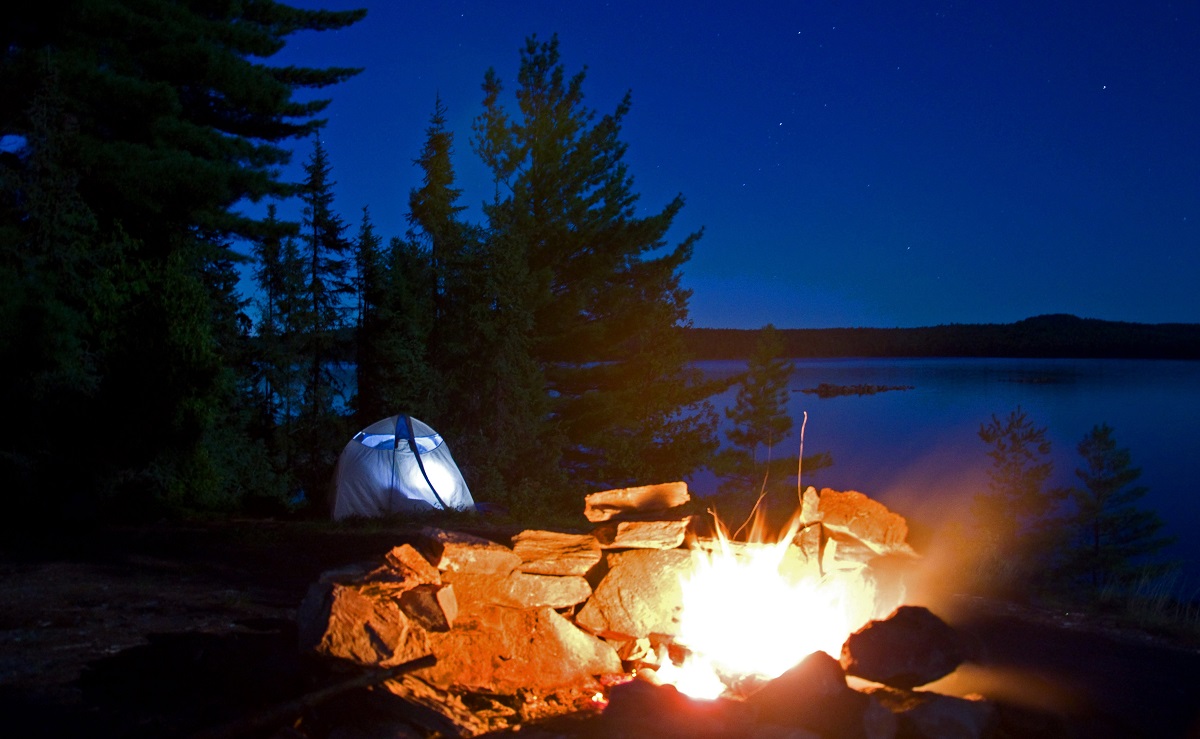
pixel 748 611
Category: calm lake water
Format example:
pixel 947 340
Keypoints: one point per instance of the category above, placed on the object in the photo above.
pixel 918 451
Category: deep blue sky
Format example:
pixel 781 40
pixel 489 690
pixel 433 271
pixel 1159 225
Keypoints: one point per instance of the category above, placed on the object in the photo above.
pixel 852 163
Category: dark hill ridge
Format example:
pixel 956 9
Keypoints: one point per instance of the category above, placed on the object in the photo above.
pixel 1058 335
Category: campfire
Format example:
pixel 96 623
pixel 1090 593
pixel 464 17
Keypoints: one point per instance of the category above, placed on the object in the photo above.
pixel 646 620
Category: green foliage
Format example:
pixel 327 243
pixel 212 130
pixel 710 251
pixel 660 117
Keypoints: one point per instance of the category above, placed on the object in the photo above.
pixel 392 363
pixel 144 124
pixel 492 401
pixel 1114 537
pixel 596 283
pixel 759 413
pixel 1015 516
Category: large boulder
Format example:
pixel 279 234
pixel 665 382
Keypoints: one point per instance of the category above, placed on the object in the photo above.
pixel 814 696
pixel 853 515
pixel 911 647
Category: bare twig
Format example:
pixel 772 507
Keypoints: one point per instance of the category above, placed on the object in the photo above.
pixel 800 461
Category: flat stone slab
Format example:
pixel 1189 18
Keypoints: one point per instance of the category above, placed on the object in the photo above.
pixel 605 505
pixel 554 553
pixel 458 552
pixel 643 534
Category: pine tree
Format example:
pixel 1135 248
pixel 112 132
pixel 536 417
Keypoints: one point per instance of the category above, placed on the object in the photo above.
pixel 492 396
pixel 1017 494
pixel 1115 537
pixel 279 276
pixel 321 319
pixel 1018 516
pixel 604 293
pixel 174 119
pixel 759 413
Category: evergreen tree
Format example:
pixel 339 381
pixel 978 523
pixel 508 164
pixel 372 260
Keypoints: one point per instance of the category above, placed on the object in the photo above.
pixel 279 276
pixel 1114 536
pixel 393 366
pixel 320 321
pixel 173 119
pixel 603 288
pixel 492 396
pixel 759 413
pixel 1016 516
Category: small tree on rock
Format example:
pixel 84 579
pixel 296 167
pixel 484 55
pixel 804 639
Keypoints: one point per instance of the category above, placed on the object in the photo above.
pixel 1016 513
pixel 759 413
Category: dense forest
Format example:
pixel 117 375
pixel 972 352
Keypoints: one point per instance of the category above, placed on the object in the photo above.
pixel 1041 336
pixel 542 341
pixel 548 342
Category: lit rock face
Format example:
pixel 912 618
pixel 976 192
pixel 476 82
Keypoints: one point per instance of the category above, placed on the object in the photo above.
pixel 507 650
pixel 852 516
pixel 640 595
pixel 647 499
pixel 540 626
pixel 554 553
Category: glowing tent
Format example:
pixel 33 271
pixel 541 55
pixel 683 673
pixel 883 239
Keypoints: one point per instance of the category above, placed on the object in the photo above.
pixel 397 465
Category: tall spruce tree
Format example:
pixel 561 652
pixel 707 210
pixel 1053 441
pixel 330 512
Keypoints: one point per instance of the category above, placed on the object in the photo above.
pixel 325 302
pixel 604 295
pixel 276 387
pixel 1115 538
pixel 174 119
pixel 393 371
pixel 492 397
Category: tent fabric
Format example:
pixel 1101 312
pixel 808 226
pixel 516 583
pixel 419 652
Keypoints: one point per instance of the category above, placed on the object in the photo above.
pixel 378 474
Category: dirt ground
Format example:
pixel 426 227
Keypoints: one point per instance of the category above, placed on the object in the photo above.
pixel 175 630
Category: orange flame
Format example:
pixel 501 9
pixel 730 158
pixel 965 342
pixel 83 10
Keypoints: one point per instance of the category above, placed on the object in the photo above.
pixel 749 612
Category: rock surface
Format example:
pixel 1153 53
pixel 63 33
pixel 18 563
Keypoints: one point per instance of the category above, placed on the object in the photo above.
pixel 814 696
pixel 640 595
pixel 643 534
pixel 554 553
pixel 500 650
pixel 909 648
pixel 605 505
pixel 856 516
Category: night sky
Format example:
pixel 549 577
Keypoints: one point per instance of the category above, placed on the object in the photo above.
pixel 852 163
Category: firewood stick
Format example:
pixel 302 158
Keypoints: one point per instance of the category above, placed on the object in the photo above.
pixel 281 712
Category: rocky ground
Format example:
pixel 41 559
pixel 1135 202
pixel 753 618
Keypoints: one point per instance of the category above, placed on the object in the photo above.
pixel 172 630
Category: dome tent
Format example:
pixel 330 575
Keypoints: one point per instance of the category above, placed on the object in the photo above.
pixel 397 465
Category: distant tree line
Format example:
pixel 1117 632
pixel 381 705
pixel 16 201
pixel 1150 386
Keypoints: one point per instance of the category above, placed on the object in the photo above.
pixel 544 342
pixel 1042 336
